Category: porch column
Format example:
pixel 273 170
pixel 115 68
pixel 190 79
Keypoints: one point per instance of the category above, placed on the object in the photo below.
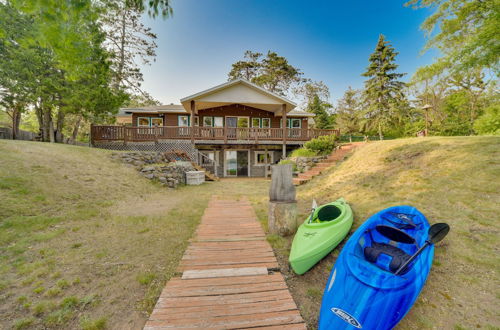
pixel 191 121
pixel 283 118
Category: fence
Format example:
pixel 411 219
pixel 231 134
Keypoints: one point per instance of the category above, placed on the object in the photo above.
pixel 6 133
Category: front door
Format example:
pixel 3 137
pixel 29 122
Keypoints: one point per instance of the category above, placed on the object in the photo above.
pixel 236 163
pixel 242 160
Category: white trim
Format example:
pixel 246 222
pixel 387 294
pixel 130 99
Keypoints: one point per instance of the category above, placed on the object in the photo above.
pixel 179 121
pixel 153 118
pixel 218 117
pixel 263 152
pixel 211 121
pixel 291 122
pixel 260 122
pixel 237 117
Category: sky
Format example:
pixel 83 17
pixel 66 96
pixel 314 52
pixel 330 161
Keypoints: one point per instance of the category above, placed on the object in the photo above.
pixel 329 41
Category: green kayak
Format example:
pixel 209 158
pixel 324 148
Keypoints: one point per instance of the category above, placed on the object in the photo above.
pixel 322 231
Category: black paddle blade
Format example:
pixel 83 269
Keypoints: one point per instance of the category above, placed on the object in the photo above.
pixel 438 231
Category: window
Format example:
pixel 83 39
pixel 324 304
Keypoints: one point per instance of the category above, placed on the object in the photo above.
pixel 183 121
pixel 208 121
pixel 143 121
pixel 266 122
pixel 156 121
pixel 256 122
pixel 260 158
pixel 218 121
pixel 287 123
pixel 242 121
pixel 296 123
pixel 196 121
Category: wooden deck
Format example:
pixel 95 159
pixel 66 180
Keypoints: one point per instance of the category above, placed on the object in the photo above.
pixel 227 278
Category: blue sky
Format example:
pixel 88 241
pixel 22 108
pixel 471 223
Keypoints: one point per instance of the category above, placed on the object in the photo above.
pixel 327 40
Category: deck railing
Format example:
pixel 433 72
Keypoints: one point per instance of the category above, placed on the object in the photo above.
pixel 139 134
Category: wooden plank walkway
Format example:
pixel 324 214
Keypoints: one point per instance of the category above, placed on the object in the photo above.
pixel 227 278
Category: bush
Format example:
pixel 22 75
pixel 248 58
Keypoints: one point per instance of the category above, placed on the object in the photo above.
pixel 288 161
pixel 322 145
pixel 489 122
pixel 303 152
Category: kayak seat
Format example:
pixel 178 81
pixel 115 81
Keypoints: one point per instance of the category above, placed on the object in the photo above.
pixel 329 213
pixel 386 256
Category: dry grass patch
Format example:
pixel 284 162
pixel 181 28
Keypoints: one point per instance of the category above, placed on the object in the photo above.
pixel 456 180
pixel 86 242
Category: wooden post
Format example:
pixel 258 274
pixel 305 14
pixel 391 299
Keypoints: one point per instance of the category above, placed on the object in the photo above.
pixel 191 121
pixel 282 216
pixel 283 118
pixel 265 162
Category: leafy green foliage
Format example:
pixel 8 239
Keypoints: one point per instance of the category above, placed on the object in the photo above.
pixel 323 119
pixel 273 72
pixel 322 145
pixel 467 33
pixel 489 122
pixel 303 152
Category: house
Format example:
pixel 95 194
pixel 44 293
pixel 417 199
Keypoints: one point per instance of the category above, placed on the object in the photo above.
pixel 233 129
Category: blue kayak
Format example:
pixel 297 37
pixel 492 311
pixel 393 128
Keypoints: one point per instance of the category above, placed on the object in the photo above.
pixel 363 291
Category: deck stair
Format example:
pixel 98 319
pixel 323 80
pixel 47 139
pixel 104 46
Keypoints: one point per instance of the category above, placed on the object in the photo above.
pixel 208 175
pixel 336 156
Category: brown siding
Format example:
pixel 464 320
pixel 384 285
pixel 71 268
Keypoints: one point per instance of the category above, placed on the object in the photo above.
pixel 228 110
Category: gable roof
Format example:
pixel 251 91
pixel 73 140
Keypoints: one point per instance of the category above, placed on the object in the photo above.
pixel 239 91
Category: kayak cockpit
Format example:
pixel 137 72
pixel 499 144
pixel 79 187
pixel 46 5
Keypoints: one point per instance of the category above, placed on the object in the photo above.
pixel 384 246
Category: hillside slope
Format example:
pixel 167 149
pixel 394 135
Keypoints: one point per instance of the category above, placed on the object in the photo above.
pixel 454 180
pixel 85 241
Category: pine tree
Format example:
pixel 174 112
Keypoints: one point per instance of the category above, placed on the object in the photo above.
pixel 382 89
pixel 323 119
pixel 349 112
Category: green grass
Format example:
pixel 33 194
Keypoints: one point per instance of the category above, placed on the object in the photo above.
pixel 450 179
pixel 303 152
pixel 76 224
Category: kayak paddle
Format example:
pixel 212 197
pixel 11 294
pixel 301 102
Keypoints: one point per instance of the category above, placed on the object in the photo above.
pixel 436 233
pixel 313 208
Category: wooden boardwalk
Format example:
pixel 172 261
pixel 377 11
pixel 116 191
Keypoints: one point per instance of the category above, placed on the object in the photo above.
pixel 229 278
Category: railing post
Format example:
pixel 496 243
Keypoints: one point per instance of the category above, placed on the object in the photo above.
pixel 283 118
pixel 125 135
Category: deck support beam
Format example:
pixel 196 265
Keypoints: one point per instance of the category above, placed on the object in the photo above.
pixel 283 119
pixel 191 120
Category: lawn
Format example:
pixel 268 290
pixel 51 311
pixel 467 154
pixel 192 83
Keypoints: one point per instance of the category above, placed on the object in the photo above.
pixel 454 180
pixel 85 242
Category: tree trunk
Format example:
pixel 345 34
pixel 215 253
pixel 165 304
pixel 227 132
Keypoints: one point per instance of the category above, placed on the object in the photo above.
pixel 381 137
pixel 16 120
pixel 76 128
pixel 59 127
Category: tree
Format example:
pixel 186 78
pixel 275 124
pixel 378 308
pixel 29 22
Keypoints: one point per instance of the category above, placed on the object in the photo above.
pixel 348 112
pixel 273 72
pixel 383 90
pixel 322 120
pixel 128 40
pixel 489 122
pixel 248 68
pixel 467 33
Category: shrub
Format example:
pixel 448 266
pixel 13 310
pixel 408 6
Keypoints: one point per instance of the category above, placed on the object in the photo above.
pixel 322 145
pixel 489 122
pixel 303 152
pixel 288 161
